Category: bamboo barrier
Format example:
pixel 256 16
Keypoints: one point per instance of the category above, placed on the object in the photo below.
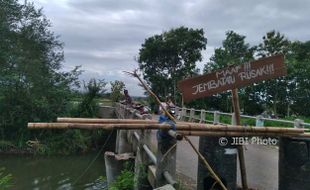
pixel 179 127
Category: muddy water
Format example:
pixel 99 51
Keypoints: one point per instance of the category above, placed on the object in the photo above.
pixel 55 172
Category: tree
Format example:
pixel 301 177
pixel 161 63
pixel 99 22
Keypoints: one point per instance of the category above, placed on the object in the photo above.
pixel 89 106
pixel 234 50
pixel 299 78
pixel 116 90
pixel 32 85
pixel 273 43
pixel 275 91
pixel 169 57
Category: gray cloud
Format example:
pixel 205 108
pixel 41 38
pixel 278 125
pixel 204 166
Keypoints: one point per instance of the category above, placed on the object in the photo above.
pixel 104 36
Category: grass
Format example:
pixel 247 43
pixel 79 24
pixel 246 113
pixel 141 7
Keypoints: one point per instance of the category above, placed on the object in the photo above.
pixel 105 102
pixel 125 181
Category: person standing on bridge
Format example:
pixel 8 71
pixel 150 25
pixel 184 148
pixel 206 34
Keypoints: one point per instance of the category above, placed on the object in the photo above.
pixel 167 105
pixel 128 100
pixel 163 137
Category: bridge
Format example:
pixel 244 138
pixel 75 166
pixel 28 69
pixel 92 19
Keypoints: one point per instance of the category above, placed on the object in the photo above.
pixel 159 157
pixel 161 165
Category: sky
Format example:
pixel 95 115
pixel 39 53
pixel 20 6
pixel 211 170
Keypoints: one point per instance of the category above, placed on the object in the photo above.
pixel 104 36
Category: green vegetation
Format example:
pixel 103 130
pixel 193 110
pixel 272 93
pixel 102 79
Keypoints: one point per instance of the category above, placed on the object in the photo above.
pixel 167 58
pixel 282 96
pixel 125 181
pixel 285 96
pixel 116 90
pixel 5 180
pixel 88 107
pixel 33 87
pixel 71 141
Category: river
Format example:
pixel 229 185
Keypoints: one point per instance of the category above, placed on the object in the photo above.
pixel 55 172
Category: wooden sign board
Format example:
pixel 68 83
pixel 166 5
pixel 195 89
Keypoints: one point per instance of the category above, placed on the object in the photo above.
pixel 231 77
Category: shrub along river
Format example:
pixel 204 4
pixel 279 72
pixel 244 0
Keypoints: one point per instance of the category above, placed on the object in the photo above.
pixel 55 172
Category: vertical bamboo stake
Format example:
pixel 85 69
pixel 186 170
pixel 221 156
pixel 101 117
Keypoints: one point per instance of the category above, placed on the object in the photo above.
pixel 235 102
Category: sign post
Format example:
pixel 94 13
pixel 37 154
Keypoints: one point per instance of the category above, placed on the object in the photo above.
pixel 235 102
pixel 232 78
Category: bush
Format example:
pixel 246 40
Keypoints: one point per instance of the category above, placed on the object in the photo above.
pixel 125 181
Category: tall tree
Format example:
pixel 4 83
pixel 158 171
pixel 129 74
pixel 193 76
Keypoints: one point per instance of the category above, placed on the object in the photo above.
pixel 171 56
pixel 275 91
pixel 299 78
pixel 234 50
pixel 32 86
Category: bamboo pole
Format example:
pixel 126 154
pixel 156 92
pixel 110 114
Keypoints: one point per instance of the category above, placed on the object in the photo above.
pixel 235 102
pixel 213 174
pixel 99 121
pixel 238 134
pixel 179 127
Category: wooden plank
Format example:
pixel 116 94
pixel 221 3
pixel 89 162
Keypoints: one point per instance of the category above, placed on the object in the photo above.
pixel 232 77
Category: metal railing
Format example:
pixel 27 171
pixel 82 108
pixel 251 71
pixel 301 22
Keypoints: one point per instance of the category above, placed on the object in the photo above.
pixel 190 114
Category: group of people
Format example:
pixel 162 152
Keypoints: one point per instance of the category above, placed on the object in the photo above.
pixel 129 102
pixel 167 104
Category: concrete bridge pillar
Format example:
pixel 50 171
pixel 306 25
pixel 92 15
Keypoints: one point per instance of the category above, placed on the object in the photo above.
pixel 294 164
pixel 223 159
pixel 142 161
pixel 115 163
pixel 166 161
pixel 122 144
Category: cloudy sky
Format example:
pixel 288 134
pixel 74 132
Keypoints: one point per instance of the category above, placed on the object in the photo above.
pixel 104 36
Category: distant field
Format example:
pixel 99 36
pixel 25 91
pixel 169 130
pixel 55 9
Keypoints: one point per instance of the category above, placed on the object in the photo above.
pixel 105 102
